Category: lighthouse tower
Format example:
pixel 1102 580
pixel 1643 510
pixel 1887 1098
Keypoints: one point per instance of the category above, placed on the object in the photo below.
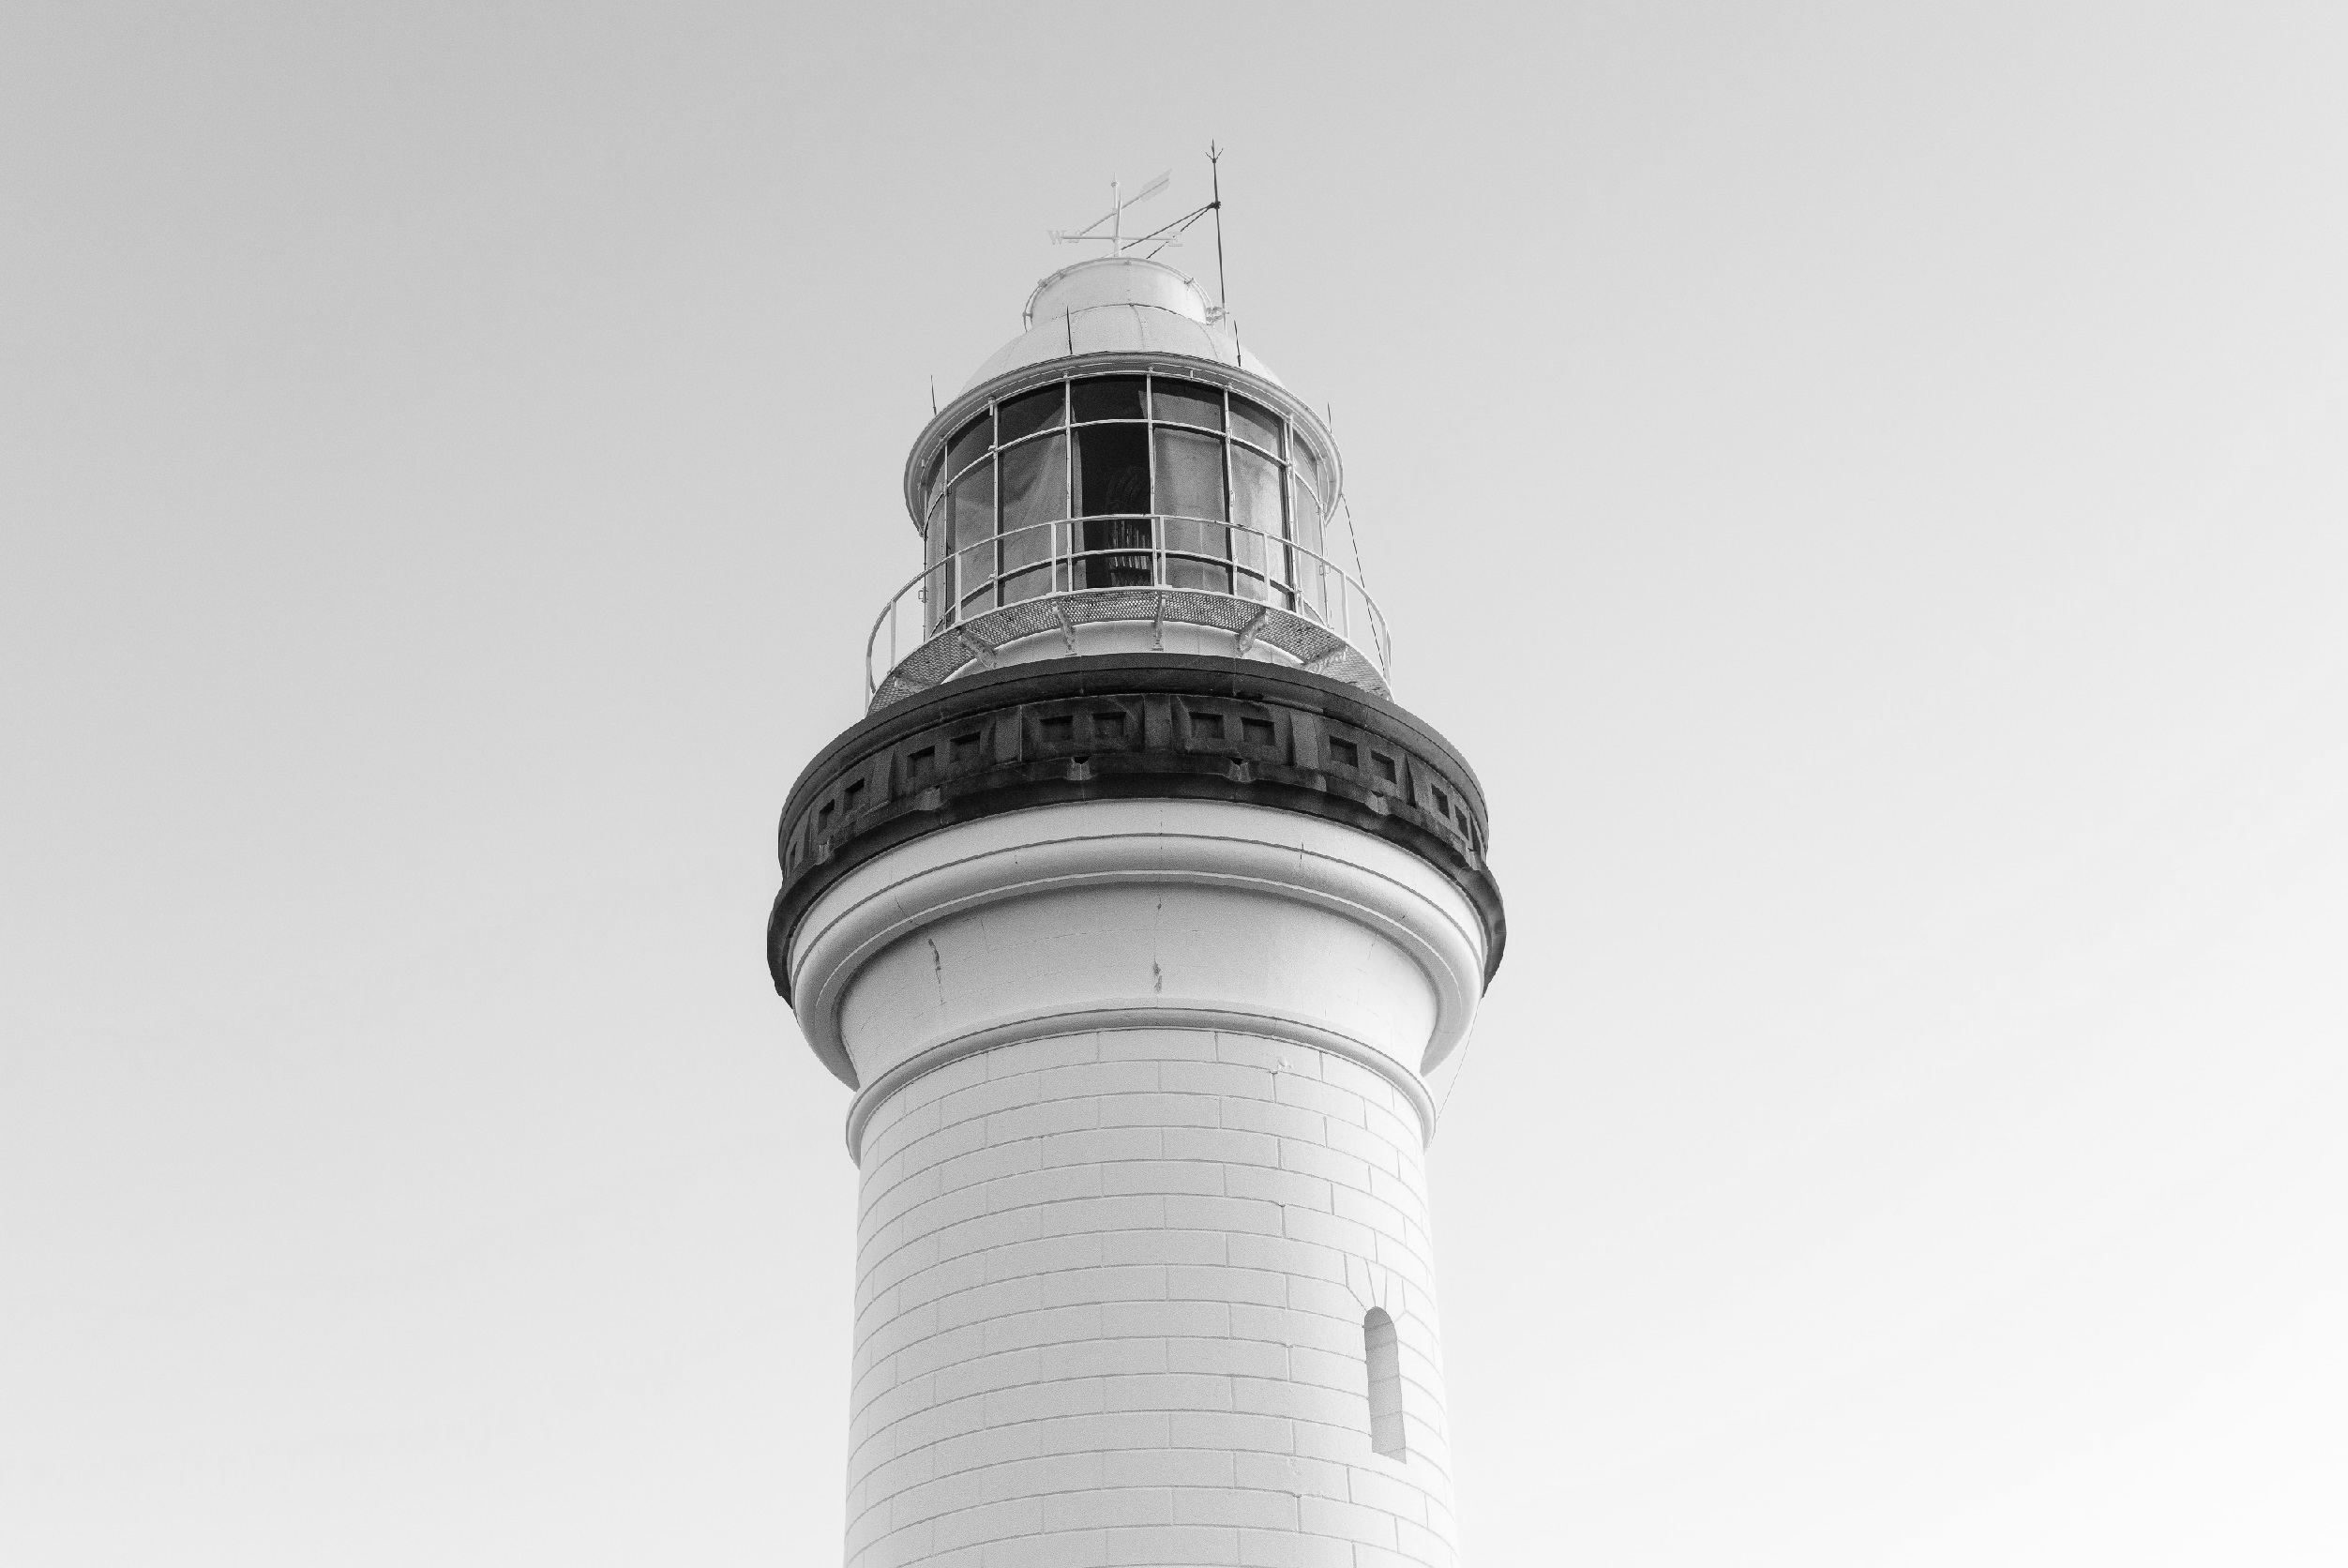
pixel 1137 914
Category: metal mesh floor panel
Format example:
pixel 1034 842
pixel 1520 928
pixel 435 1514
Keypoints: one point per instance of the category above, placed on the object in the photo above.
pixel 974 641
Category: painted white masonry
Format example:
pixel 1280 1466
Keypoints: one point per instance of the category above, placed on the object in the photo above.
pixel 1079 912
pixel 1141 1131
pixel 1109 1310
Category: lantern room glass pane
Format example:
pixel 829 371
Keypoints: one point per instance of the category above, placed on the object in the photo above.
pixel 970 443
pixel 1190 491
pixel 1252 558
pixel 971 527
pixel 1106 398
pixel 1190 474
pixel 1255 492
pixel 974 569
pixel 938 584
pixel 1310 575
pixel 1115 553
pixel 1113 475
pixel 1112 470
pixel 1042 410
pixel 1035 497
pixel 1306 463
pixel 970 507
pixel 1254 422
pixel 1034 483
pixel 1256 507
pixel 1186 402
pixel 1304 516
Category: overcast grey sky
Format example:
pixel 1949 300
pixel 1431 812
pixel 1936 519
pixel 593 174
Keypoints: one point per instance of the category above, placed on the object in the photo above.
pixel 1865 484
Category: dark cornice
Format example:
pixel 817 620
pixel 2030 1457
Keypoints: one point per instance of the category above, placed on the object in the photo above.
pixel 1131 727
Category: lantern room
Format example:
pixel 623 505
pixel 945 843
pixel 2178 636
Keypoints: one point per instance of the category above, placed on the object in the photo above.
pixel 1126 476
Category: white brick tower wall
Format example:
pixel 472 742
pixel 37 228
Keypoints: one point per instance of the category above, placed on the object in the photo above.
pixel 1110 1303
pixel 1142 1145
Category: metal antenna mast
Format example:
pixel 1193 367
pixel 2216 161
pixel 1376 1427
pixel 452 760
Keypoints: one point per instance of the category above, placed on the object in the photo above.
pixel 1215 173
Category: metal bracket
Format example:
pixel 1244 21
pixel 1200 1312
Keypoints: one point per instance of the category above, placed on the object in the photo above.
pixel 1158 627
pixel 1247 633
pixel 1067 632
pixel 980 654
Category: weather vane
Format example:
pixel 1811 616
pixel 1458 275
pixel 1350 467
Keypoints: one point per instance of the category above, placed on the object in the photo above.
pixel 1114 218
pixel 1164 234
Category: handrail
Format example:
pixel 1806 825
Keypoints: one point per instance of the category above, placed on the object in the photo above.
pixel 1283 577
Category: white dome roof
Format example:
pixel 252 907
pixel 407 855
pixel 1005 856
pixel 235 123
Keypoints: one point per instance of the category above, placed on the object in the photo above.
pixel 1119 304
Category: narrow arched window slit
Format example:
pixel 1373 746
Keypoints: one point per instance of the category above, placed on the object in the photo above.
pixel 1382 1351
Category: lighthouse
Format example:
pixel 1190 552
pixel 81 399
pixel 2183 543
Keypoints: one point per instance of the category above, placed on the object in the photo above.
pixel 1137 914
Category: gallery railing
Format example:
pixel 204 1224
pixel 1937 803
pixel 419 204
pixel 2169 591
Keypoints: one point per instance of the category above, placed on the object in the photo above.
pixel 1055 576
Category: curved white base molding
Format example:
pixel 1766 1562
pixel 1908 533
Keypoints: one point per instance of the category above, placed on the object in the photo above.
pixel 1201 908
pixel 1138 1014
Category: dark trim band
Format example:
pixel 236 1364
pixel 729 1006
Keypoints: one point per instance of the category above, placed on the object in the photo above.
pixel 1128 727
